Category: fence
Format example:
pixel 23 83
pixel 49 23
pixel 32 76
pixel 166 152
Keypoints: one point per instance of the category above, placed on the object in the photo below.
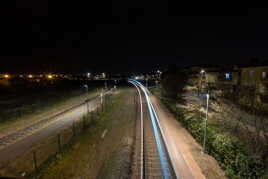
pixel 31 162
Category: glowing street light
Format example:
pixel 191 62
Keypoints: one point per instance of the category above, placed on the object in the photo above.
pixel 158 71
pixel 6 76
pixel 30 76
pixel 103 75
pixel 49 76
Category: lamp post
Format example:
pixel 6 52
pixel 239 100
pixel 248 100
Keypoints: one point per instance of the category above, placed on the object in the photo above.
pixel 101 95
pixel 206 123
pixel 105 85
pixel 86 86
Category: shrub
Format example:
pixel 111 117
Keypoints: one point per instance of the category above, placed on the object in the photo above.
pixel 227 150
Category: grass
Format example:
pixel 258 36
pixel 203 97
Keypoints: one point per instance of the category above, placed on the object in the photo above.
pixel 53 104
pixel 24 162
pixel 228 150
pixel 84 143
pixel 22 98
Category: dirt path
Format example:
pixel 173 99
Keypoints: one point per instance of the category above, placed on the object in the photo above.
pixel 184 150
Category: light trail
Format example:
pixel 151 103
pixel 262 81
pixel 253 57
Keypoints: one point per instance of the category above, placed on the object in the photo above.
pixel 157 138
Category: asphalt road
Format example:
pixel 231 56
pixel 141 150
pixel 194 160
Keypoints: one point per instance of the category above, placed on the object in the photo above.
pixel 15 146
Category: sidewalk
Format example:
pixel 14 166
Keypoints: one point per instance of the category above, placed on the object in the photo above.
pixel 184 151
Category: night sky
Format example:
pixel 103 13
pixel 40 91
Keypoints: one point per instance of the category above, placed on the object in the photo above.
pixel 39 35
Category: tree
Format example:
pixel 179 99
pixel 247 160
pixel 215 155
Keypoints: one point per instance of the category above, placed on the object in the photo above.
pixel 173 82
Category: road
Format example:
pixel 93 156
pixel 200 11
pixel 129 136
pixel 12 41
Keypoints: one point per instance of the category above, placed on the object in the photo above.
pixel 19 141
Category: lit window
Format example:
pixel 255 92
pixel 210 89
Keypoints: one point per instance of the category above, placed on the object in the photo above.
pixel 250 73
pixel 227 75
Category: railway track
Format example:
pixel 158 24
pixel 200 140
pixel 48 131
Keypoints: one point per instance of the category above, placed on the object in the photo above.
pixel 13 137
pixel 151 159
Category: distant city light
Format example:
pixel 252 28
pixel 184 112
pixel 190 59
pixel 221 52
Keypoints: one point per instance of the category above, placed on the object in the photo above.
pixel 88 75
pixel 158 71
pixel 30 76
pixel 103 75
pixel 6 76
pixel 202 71
pixel 49 76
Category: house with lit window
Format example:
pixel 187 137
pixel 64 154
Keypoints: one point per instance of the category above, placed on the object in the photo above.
pixel 217 75
pixel 255 77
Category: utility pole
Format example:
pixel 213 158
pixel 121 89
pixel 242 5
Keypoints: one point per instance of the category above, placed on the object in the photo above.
pixel 87 97
pixel 105 85
pixel 206 124
pixel 101 95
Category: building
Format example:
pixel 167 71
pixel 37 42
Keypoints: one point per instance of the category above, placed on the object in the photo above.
pixel 255 77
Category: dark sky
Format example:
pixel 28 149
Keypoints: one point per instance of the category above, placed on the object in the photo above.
pixel 115 36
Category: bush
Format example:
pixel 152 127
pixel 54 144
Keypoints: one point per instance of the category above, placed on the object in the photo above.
pixel 227 150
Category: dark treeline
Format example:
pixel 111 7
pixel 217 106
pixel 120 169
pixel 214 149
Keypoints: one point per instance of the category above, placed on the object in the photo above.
pixel 173 82
pixel 20 87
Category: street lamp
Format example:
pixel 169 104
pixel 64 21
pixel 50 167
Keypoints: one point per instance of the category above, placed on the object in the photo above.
pixel 6 76
pixel 206 124
pixel 86 86
pixel 88 75
pixel 49 76
pixel 105 85
pixel 101 94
